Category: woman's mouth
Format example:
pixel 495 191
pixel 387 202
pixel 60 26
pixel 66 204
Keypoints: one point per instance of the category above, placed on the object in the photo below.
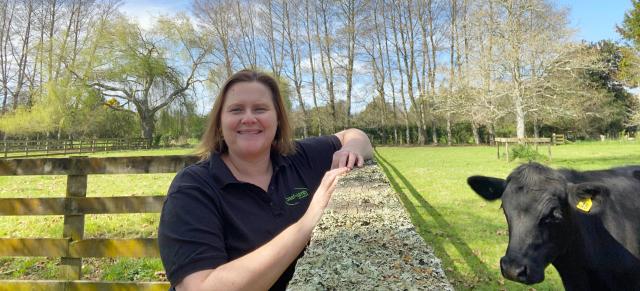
pixel 249 131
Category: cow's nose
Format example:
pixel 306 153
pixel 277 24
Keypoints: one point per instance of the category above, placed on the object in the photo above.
pixel 513 270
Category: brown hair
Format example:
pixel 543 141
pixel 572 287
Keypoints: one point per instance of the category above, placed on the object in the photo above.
pixel 212 139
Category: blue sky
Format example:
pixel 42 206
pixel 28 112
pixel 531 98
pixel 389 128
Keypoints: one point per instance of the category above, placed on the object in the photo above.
pixel 596 19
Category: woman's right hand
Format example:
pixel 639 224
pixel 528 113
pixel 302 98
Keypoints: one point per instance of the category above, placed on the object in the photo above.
pixel 323 194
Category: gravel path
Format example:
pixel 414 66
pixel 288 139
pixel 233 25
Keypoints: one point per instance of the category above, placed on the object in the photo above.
pixel 365 241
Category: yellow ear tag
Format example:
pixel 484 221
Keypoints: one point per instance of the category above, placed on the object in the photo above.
pixel 584 204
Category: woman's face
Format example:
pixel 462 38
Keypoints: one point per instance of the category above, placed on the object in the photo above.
pixel 249 119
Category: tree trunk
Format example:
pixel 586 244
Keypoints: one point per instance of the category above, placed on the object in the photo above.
pixel 350 12
pixel 451 67
pixel 449 133
pixel 492 134
pixel 520 129
pixel 313 72
pixel 148 126
pixel 396 139
pixel 400 72
pixel 474 129
pixel 434 131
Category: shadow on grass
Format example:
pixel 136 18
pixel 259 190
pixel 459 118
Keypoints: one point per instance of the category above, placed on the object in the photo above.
pixel 475 264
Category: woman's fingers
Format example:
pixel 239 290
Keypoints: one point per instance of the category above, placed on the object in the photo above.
pixel 336 176
pixel 331 177
pixel 328 184
pixel 346 158
pixel 360 160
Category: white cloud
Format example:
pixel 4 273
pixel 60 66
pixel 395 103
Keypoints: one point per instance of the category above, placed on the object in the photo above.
pixel 145 12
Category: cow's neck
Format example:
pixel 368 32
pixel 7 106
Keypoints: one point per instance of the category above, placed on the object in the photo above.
pixel 569 263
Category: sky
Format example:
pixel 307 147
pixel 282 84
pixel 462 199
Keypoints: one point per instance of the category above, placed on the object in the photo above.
pixel 144 11
pixel 596 19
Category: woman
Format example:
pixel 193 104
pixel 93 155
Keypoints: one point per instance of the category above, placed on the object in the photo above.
pixel 242 216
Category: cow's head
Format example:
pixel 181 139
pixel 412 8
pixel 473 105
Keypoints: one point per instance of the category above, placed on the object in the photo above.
pixel 537 201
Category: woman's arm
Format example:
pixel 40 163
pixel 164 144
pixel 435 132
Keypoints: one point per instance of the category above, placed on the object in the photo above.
pixel 259 269
pixel 356 148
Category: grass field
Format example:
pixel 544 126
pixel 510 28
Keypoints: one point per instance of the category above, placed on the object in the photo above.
pixel 469 234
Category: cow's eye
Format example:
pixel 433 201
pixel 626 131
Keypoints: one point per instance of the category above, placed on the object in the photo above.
pixel 554 216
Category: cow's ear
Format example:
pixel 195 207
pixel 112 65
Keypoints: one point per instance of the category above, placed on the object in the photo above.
pixel 487 187
pixel 588 198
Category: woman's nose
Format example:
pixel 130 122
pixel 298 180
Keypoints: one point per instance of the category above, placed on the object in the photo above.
pixel 248 117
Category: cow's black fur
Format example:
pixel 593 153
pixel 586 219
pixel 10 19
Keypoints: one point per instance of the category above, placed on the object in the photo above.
pixel 594 250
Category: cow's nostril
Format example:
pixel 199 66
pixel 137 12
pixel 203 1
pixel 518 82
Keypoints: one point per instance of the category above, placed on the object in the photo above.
pixel 514 271
pixel 521 273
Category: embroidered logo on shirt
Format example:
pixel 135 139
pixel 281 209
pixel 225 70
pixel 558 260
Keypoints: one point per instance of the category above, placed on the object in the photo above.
pixel 298 195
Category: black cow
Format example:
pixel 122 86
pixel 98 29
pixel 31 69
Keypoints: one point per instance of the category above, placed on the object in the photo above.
pixel 587 224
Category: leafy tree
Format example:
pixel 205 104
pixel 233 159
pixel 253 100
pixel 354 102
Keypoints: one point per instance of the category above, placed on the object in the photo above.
pixel 140 68
pixel 630 60
pixel 630 28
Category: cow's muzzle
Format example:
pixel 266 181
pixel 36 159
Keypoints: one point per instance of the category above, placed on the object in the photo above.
pixel 518 271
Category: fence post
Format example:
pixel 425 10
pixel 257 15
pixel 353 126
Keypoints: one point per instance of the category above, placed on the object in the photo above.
pixel 46 147
pixel 80 147
pixel 5 148
pixel 71 268
pixel 506 150
pixel 26 147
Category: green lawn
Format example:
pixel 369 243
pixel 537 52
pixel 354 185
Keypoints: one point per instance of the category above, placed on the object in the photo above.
pixel 469 234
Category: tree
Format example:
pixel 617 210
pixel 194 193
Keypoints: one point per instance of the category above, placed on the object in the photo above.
pixel 630 62
pixel 630 28
pixel 292 35
pixel 216 17
pixel 139 71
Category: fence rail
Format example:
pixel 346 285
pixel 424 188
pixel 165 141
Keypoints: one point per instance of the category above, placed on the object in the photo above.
pixel 507 140
pixel 50 147
pixel 74 206
pixel 558 139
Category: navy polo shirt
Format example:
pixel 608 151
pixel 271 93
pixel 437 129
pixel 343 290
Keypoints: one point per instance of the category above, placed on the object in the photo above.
pixel 210 218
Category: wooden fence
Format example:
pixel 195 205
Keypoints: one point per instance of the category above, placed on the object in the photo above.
pixel 73 246
pixel 50 147
pixel 507 140
pixel 557 139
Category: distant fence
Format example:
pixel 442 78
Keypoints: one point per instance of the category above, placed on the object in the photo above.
pixel 73 246
pixel 50 147
pixel 557 139
pixel 507 140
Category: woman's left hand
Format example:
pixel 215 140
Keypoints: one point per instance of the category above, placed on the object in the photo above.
pixel 347 158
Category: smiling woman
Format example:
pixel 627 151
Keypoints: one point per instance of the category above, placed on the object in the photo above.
pixel 242 216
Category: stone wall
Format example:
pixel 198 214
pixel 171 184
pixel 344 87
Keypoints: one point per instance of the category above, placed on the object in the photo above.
pixel 366 241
